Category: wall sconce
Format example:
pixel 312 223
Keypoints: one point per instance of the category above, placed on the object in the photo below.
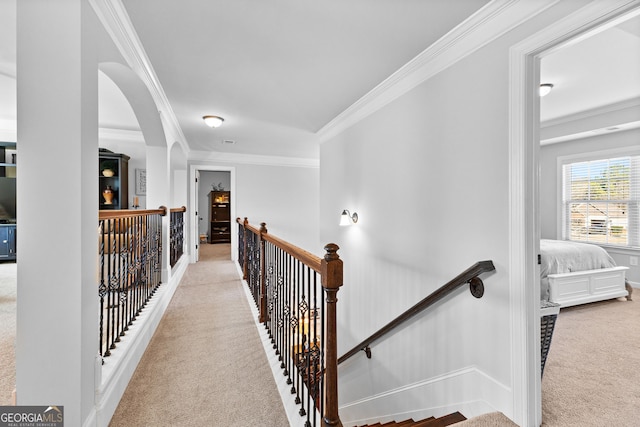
pixel 213 121
pixel 545 88
pixel 347 219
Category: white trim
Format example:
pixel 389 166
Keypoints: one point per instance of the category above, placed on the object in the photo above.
pixel 120 135
pixel 525 331
pixel 523 193
pixel 253 159
pixel 621 116
pixel 119 367
pixel 194 235
pixel 92 419
pixel 288 401
pixel 608 153
pixel 594 112
pixel 466 384
pixel 490 22
pixel 113 16
pixel 592 133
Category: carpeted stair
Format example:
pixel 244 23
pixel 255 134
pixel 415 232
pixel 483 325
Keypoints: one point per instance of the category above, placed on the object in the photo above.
pixel 445 420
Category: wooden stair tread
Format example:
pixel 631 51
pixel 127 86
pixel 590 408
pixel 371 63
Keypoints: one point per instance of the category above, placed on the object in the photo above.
pixel 443 421
pixel 396 424
pixel 408 422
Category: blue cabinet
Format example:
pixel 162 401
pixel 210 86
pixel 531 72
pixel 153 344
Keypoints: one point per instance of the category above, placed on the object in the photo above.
pixel 7 242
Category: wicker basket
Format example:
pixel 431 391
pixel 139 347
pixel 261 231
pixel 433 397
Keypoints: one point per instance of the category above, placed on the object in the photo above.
pixel 548 315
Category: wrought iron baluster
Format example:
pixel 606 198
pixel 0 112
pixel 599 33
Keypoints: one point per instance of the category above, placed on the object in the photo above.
pixel 113 286
pixel 312 344
pixel 317 289
pixel 102 290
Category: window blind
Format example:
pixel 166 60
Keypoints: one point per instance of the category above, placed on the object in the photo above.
pixel 601 201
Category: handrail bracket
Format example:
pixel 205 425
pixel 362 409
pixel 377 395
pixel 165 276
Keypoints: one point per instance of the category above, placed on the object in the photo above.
pixel 476 286
pixel 367 351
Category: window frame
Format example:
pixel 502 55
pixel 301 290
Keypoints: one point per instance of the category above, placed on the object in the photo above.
pixel 561 229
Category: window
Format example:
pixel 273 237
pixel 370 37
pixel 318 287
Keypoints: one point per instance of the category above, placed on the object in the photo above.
pixel 601 201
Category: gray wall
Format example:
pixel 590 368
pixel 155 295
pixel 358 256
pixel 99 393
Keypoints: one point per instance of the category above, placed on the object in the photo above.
pixel 550 182
pixel 428 175
pixel 285 197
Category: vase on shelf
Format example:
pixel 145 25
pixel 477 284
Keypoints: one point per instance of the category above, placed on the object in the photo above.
pixel 108 195
pixel 108 173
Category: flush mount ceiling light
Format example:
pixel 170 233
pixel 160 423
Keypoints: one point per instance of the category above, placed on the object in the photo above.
pixel 545 88
pixel 213 121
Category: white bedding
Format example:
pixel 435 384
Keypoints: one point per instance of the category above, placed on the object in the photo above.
pixel 561 256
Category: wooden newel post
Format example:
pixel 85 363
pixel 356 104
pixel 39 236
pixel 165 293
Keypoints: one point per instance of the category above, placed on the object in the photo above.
pixel 245 253
pixel 263 282
pixel 331 270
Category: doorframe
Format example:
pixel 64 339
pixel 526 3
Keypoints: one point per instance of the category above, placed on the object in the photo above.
pixel 524 206
pixel 193 206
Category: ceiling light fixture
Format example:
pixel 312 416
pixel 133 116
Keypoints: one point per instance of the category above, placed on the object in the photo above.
pixel 213 121
pixel 545 88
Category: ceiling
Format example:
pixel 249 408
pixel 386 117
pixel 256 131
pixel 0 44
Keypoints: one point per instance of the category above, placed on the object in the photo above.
pixel 279 71
pixel 599 70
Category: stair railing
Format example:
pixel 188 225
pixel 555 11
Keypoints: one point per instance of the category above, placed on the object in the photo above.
pixel 295 292
pixel 470 276
pixel 129 268
pixel 176 234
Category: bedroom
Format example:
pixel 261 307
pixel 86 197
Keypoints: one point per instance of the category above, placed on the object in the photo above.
pixel 591 120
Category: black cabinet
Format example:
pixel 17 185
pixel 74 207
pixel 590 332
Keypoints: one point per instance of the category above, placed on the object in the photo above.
pixel 113 190
pixel 7 242
pixel 7 159
pixel 220 217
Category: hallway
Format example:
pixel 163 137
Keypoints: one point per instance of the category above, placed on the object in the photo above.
pixel 205 364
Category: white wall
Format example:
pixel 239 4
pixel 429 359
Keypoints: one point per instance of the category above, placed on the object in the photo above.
pixel 428 175
pixel 285 197
pixel 549 185
pixel 57 331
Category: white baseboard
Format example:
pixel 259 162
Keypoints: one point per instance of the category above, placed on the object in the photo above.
pixel 284 389
pixel 468 391
pixel 114 376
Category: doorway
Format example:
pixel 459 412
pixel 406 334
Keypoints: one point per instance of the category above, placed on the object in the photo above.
pixel 525 228
pixel 205 179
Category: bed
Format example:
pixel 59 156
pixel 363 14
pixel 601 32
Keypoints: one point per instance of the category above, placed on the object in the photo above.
pixel 574 273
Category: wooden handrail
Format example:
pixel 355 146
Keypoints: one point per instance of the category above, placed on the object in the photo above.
pixel 330 270
pixel 125 213
pixel 307 258
pixel 180 209
pixel 470 276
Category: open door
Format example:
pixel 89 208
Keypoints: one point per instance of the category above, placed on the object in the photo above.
pixel 198 217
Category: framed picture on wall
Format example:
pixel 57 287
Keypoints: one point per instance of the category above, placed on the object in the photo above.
pixel 141 182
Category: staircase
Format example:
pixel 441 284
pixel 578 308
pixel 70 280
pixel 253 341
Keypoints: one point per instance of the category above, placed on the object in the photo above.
pixel 445 420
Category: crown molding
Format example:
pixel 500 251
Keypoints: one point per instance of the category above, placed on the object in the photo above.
pixel 616 107
pixel 113 16
pixel 252 159
pixel 490 22
pixel 124 135
pixel 607 119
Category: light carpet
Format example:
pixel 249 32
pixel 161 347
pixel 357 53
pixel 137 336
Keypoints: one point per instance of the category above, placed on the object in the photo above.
pixel 205 365
pixel 7 331
pixel 591 377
